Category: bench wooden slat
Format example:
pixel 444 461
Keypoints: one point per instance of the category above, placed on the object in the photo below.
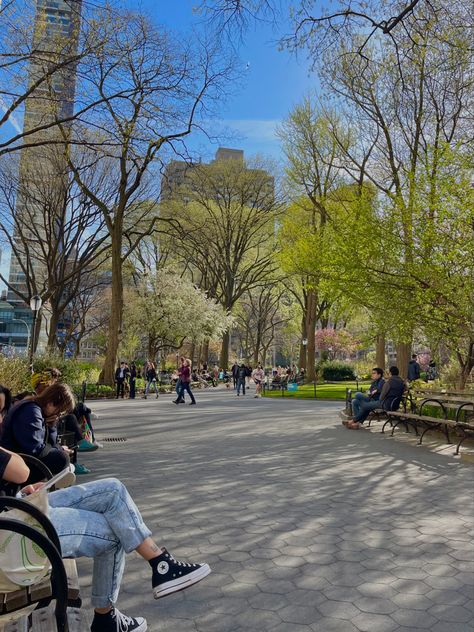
pixel 42 590
pixel 43 620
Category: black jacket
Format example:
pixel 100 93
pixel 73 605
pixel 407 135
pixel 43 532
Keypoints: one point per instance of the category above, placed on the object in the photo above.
pixel 125 374
pixel 393 389
pixel 413 370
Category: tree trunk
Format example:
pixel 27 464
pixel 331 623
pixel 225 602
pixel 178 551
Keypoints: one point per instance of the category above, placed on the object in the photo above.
pixel 53 327
pixel 466 367
pixel 224 357
pixel 116 312
pixel 380 351
pixel 403 358
pixel 205 351
pixel 311 333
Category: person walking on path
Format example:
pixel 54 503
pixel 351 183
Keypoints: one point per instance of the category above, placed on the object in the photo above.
pixel 241 375
pixel 258 375
pixel 151 380
pixel 121 375
pixel 178 381
pixel 185 377
pixel 235 373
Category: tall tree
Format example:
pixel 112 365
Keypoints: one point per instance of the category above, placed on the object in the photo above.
pixel 164 89
pixel 227 213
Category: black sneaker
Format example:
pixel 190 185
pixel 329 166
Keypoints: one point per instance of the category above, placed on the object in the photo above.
pixel 170 576
pixel 115 621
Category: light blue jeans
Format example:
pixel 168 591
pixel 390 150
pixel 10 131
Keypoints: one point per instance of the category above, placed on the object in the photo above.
pixel 98 520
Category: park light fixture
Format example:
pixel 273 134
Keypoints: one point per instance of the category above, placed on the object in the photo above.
pixel 304 342
pixel 35 305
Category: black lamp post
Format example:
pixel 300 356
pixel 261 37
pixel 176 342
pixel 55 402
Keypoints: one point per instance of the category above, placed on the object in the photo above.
pixel 35 305
pixel 177 359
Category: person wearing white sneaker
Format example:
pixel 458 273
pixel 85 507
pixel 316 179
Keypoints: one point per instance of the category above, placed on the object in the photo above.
pixel 100 520
pixel 258 375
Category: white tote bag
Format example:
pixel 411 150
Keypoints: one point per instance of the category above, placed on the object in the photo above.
pixel 22 562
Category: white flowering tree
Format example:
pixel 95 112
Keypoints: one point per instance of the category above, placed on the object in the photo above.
pixel 169 310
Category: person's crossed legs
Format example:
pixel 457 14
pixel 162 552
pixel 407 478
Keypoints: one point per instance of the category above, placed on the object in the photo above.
pixel 365 409
pixel 101 521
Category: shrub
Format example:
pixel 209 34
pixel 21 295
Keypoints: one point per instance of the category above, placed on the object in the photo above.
pixel 336 372
pixel 15 374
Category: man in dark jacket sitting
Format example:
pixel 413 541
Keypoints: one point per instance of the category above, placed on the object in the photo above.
pixel 392 391
pixel 374 391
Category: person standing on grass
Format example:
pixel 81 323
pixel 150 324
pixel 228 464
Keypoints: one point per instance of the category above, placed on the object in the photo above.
pixel 185 377
pixel 258 375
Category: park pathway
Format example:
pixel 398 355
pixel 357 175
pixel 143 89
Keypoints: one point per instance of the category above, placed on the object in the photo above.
pixel 308 527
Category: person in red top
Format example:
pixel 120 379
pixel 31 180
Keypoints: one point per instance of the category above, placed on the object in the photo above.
pixel 185 377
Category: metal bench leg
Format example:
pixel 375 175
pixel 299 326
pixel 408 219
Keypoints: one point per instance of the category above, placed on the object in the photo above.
pixel 389 421
pixel 463 438
pixel 427 429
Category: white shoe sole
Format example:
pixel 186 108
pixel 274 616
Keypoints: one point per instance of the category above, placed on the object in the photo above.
pixel 175 585
pixel 142 627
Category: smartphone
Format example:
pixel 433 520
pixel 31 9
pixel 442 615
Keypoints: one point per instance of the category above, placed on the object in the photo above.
pixel 52 481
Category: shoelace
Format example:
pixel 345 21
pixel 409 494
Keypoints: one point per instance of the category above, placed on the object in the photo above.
pixel 123 622
pixel 184 564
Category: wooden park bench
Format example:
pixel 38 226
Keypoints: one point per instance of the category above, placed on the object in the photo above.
pixel 279 384
pixel 461 421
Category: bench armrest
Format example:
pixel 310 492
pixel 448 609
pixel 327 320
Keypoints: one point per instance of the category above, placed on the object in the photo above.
pixel 58 572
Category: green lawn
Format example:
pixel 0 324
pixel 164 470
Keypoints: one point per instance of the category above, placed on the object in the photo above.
pixel 323 391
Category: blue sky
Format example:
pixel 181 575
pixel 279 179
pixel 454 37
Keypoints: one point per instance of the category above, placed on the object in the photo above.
pixel 272 81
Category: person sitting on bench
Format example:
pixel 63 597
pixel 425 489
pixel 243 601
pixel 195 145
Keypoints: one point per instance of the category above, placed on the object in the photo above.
pixel 100 520
pixel 374 392
pixel 392 390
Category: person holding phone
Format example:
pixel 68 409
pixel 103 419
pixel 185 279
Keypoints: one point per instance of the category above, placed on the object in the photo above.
pixel 31 426
pixel 100 520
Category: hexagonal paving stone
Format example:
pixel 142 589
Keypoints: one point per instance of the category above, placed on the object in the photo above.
pixel 281 587
pixel 267 601
pixel 412 601
pixel 328 624
pixel 299 614
pixel 441 570
pixel 342 593
pixel 444 612
pixel 409 572
pixel 374 605
pixel 339 610
pixel 367 622
pixel 414 618
pixel 410 586
pixel 304 597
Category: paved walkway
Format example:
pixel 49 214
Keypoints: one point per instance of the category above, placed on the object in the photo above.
pixel 307 526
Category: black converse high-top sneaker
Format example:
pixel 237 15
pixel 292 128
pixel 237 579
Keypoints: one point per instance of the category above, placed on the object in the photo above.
pixel 115 621
pixel 170 576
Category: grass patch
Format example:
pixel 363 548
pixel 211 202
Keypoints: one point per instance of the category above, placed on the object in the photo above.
pixel 323 391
